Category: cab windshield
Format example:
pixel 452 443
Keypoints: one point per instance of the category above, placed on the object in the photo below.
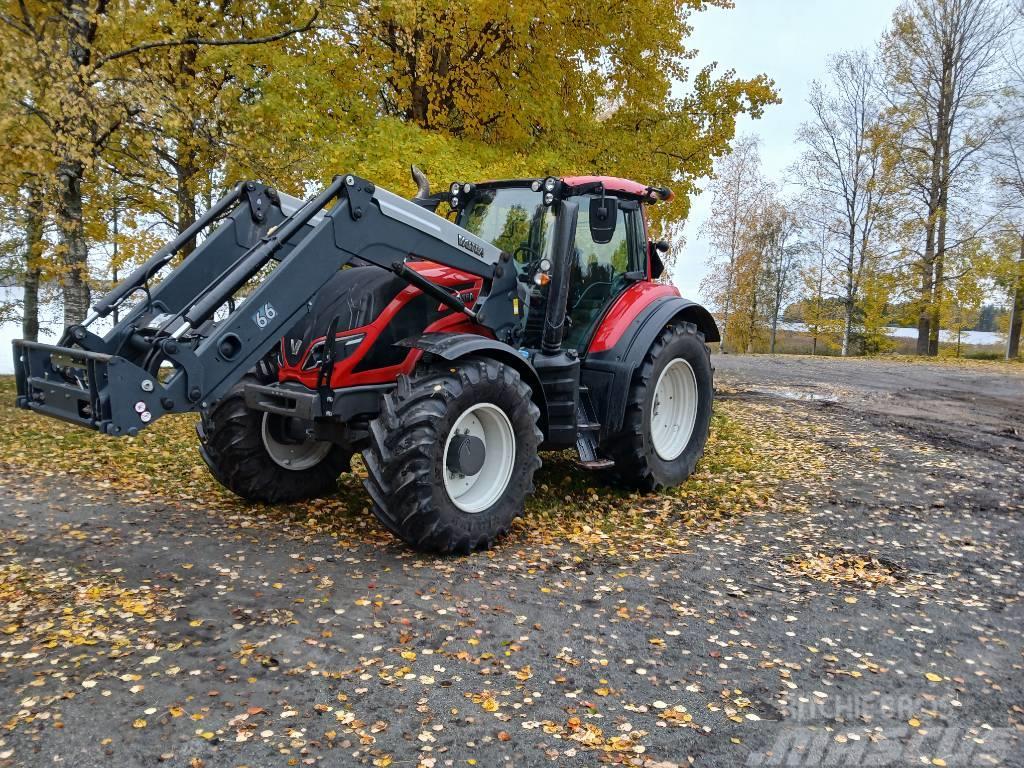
pixel 514 219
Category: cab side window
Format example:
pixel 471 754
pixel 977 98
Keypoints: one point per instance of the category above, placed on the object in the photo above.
pixel 598 270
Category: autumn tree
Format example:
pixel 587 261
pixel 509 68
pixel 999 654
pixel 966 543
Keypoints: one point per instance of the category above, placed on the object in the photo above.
pixel 816 307
pixel 776 234
pixel 77 68
pixel 940 59
pixel 154 109
pixel 735 193
pixel 537 87
pixel 967 268
pixel 1007 164
pixel 840 168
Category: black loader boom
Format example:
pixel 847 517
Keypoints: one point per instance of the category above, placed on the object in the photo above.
pixel 117 383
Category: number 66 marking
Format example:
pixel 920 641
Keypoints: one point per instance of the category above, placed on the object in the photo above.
pixel 264 315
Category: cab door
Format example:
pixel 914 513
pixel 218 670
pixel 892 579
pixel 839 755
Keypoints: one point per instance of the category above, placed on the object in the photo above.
pixel 600 272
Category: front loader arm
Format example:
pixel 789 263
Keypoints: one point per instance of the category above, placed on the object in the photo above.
pixel 114 383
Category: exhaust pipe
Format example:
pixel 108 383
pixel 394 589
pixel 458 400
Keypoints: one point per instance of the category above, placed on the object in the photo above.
pixel 422 182
pixel 558 289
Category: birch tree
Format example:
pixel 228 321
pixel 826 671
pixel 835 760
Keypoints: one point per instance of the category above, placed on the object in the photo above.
pixel 840 167
pixel 777 235
pixel 941 59
pixel 736 191
pixel 1007 163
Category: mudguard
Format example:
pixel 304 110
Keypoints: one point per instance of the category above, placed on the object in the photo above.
pixel 452 346
pixel 608 372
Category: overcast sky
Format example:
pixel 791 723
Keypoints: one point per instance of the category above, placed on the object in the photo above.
pixel 790 41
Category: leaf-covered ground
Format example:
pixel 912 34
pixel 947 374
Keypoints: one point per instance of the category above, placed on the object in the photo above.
pixel 840 581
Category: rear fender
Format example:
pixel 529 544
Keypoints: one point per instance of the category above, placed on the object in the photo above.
pixel 608 372
pixel 453 346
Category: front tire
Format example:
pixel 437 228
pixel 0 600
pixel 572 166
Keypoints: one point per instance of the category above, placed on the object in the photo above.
pixel 249 454
pixel 668 414
pixel 452 455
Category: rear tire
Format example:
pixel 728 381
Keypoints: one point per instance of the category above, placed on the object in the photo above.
pixel 234 442
pixel 668 414
pixel 416 494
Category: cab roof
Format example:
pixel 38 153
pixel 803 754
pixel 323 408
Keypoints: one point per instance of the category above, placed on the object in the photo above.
pixel 614 184
pixel 611 184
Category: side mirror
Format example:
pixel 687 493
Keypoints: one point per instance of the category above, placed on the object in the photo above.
pixel 657 265
pixel 604 213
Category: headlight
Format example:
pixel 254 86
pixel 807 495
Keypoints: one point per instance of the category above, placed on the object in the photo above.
pixel 549 198
pixel 455 187
pixel 536 185
pixel 550 183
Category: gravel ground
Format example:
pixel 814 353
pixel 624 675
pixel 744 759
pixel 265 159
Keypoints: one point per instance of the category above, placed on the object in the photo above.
pixel 872 616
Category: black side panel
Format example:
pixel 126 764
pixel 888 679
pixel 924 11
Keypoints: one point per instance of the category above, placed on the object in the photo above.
pixel 560 375
pixel 411 319
pixel 356 296
pixel 609 374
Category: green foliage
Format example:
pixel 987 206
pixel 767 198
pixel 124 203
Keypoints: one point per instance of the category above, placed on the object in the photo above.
pixel 156 107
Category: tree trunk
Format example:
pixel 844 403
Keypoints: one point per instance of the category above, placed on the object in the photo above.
pixel 186 162
pixel 937 186
pixel 71 170
pixel 1016 309
pixel 75 252
pixel 851 293
pixel 940 250
pixel 185 201
pixel 33 265
pixel 30 305
pixel 937 299
pixel 771 343
pixel 924 318
pixel 847 325
pixel 1013 343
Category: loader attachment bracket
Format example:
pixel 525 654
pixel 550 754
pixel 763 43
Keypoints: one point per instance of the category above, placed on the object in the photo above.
pixel 102 392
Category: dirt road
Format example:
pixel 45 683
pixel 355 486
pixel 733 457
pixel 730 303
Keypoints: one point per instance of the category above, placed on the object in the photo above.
pixel 869 613
pixel 981 407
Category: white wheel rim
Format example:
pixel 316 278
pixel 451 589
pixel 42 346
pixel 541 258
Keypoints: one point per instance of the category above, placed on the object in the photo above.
pixel 674 409
pixel 475 493
pixel 293 456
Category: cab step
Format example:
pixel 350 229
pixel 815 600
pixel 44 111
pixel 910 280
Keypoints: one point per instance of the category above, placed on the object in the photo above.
pixel 587 435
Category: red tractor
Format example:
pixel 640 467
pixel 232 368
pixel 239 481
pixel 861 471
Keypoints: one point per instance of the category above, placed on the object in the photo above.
pixel 449 351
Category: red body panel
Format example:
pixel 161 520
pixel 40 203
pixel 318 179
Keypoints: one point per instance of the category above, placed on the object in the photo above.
pixel 450 321
pixel 625 310
pixel 611 184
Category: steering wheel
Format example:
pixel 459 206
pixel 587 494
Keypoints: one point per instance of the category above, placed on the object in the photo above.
pixel 528 267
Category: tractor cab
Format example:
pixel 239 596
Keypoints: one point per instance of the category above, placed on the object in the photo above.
pixel 610 247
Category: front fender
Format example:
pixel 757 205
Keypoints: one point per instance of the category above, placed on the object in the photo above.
pixel 453 346
pixel 608 369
